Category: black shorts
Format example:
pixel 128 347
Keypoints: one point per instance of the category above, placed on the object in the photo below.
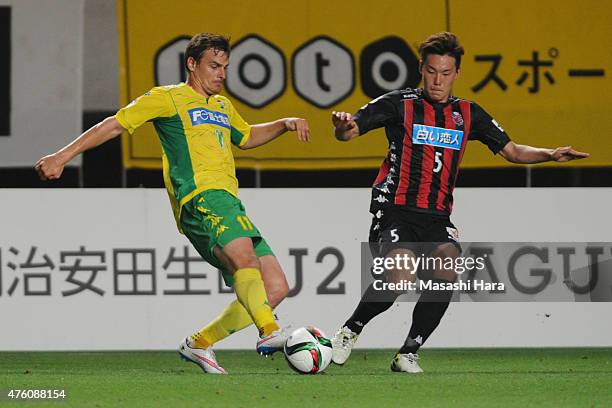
pixel 395 227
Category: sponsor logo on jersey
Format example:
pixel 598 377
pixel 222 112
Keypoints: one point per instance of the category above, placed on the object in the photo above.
pixel 201 116
pixel 409 96
pixel 435 136
pixel 457 119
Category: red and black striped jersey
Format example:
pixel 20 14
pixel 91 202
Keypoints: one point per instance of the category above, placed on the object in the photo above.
pixel 426 144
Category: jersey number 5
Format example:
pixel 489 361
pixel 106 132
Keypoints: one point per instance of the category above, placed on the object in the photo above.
pixel 438 160
pixel 394 236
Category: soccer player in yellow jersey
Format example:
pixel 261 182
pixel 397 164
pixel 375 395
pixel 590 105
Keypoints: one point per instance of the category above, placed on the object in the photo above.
pixel 196 127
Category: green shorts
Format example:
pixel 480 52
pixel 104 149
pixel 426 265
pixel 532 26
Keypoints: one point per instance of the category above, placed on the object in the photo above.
pixel 215 218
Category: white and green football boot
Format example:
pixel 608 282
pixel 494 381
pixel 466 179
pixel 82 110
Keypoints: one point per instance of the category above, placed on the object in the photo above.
pixel 342 344
pixel 406 363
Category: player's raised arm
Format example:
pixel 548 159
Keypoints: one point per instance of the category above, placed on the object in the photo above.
pixel 51 166
pixel 263 133
pixel 525 154
pixel 345 127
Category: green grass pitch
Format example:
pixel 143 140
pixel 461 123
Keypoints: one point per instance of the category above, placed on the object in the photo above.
pixel 452 378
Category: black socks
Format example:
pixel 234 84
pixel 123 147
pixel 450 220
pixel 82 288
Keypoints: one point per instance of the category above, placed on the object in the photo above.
pixel 372 303
pixel 426 316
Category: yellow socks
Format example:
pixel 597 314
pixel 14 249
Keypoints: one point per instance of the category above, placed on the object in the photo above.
pixel 252 306
pixel 232 319
pixel 251 294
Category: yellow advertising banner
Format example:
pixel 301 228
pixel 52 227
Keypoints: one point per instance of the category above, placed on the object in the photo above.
pixel 524 64
pixel 542 69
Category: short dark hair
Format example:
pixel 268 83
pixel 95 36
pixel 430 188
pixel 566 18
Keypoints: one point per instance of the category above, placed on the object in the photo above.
pixel 199 43
pixel 443 43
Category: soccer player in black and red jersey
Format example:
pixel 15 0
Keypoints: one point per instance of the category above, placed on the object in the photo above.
pixel 412 197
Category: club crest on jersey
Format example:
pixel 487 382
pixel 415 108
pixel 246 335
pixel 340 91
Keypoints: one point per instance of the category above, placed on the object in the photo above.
pixel 457 119
pixel 201 116
pixel 435 136
pixel 219 135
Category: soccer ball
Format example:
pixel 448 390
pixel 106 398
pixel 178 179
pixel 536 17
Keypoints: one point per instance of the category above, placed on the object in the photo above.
pixel 308 350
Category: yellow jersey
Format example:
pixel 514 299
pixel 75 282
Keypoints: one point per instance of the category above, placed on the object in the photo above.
pixel 196 134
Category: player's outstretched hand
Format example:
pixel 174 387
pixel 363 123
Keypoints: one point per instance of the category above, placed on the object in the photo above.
pixel 300 126
pixel 566 153
pixel 343 121
pixel 49 167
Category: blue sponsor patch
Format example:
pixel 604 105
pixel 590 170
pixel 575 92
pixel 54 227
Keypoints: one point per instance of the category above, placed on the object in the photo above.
pixel 201 116
pixel 435 136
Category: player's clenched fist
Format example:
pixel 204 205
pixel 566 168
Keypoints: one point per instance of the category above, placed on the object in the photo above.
pixel 345 127
pixel 343 120
pixel 49 167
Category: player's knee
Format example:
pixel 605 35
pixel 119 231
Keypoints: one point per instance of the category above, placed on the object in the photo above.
pixel 241 254
pixel 399 277
pixel 277 292
pixel 246 259
pixel 445 274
